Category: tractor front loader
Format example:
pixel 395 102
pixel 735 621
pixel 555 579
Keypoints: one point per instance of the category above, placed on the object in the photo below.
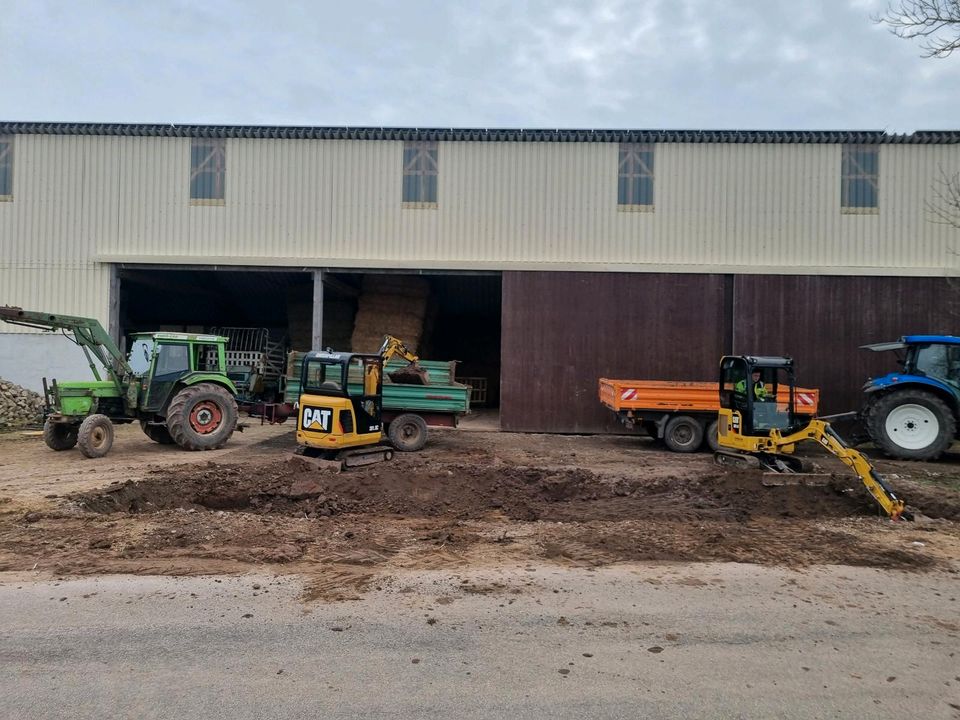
pixel 171 383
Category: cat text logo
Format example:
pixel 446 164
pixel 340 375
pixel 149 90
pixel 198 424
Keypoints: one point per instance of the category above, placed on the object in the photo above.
pixel 317 419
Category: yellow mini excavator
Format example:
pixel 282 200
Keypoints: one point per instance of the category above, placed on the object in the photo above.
pixel 754 429
pixel 341 402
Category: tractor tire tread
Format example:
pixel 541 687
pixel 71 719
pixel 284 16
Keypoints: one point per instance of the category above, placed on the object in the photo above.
pixel 59 436
pixel 876 413
pixel 178 420
pixel 85 436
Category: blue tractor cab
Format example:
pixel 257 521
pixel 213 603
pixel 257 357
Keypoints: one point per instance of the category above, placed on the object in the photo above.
pixel 913 414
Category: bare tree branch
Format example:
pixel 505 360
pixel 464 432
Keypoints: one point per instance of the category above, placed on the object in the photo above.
pixel 936 23
pixel 945 208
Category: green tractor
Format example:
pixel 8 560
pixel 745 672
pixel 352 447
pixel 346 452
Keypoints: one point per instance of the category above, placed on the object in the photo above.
pixel 174 384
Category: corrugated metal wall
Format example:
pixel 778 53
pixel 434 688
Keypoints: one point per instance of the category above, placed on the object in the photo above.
pixel 822 321
pixel 81 201
pixel 563 331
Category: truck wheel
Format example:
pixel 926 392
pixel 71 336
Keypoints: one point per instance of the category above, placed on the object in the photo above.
pixel 202 417
pixel 408 433
pixel 157 433
pixel 911 425
pixel 683 434
pixel 710 436
pixel 95 437
pixel 59 435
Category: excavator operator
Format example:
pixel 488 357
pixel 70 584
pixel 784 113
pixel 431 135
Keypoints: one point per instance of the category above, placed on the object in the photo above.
pixel 759 389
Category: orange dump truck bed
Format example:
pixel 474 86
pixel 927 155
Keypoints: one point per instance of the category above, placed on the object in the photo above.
pixel 692 397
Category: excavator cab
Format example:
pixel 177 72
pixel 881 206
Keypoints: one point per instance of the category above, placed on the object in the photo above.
pixel 757 395
pixel 340 406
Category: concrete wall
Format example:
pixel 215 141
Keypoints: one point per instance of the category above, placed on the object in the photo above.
pixel 27 358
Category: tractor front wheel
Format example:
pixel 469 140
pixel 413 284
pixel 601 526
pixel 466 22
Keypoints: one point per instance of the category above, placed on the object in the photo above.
pixel 95 437
pixel 911 424
pixel 59 435
pixel 202 417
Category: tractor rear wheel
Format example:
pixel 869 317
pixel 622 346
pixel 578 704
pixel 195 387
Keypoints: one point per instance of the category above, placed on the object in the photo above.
pixel 202 417
pixel 157 433
pixel 59 436
pixel 95 437
pixel 911 424
pixel 408 432
pixel 683 434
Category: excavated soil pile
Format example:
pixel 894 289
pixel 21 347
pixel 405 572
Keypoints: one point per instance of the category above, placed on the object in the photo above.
pixel 474 492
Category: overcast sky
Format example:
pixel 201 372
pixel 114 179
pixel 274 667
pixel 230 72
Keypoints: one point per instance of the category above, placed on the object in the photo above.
pixel 788 64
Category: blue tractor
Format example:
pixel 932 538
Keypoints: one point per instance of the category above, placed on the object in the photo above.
pixel 913 414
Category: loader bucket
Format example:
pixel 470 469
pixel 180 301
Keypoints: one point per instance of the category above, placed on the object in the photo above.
pixel 412 374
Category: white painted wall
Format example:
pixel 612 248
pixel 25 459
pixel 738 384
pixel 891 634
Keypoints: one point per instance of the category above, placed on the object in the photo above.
pixel 27 358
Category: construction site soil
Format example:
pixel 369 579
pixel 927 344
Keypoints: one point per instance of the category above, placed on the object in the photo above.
pixel 468 499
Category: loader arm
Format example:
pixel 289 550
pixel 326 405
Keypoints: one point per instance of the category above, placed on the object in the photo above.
pixel 828 438
pixel 88 333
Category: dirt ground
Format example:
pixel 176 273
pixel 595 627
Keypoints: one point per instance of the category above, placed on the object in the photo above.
pixel 469 499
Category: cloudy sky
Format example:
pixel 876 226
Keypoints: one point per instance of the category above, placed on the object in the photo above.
pixel 490 63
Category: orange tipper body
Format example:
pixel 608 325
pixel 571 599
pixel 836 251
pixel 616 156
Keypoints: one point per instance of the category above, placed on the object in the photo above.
pixel 669 396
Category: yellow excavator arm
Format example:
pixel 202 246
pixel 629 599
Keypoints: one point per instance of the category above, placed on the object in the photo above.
pixel 858 462
pixel 394 347
pixel 412 374
pixel 821 432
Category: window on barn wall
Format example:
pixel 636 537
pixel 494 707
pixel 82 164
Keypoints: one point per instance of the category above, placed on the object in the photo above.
pixel 859 179
pixel 208 169
pixel 6 168
pixel 420 174
pixel 635 178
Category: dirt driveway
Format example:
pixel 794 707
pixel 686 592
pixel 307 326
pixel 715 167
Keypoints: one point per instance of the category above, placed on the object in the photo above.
pixel 470 499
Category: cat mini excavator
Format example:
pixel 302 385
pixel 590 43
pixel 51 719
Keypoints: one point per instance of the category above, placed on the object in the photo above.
pixel 756 430
pixel 341 403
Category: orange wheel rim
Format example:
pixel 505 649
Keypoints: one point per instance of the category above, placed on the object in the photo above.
pixel 205 417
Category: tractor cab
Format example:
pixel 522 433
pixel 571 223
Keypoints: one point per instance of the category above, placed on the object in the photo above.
pixel 160 361
pixel 340 401
pixel 756 395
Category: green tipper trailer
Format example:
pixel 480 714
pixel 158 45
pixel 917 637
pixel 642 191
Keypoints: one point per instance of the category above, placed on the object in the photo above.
pixel 441 403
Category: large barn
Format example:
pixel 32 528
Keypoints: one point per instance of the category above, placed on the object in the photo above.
pixel 541 259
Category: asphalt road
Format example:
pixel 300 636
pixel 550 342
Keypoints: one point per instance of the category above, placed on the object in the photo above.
pixel 691 641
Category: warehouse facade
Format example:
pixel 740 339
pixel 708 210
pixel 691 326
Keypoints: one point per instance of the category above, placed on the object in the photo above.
pixel 551 258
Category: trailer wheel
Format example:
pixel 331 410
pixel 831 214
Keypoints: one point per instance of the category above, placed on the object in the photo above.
pixel 911 424
pixel 157 433
pixel 710 436
pixel 408 432
pixel 202 417
pixel 95 437
pixel 59 436
pixel 683 434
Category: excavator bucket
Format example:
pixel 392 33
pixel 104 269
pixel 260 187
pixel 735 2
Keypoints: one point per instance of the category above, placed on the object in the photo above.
pixel 412 374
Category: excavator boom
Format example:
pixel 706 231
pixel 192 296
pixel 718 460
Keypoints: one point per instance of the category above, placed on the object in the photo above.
pixel 827 437
pixel 412 374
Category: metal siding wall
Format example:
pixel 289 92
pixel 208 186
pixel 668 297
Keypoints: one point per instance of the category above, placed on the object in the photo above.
pixel 727 207
pixel 65 202
pixel 822 321
pixel 563 331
